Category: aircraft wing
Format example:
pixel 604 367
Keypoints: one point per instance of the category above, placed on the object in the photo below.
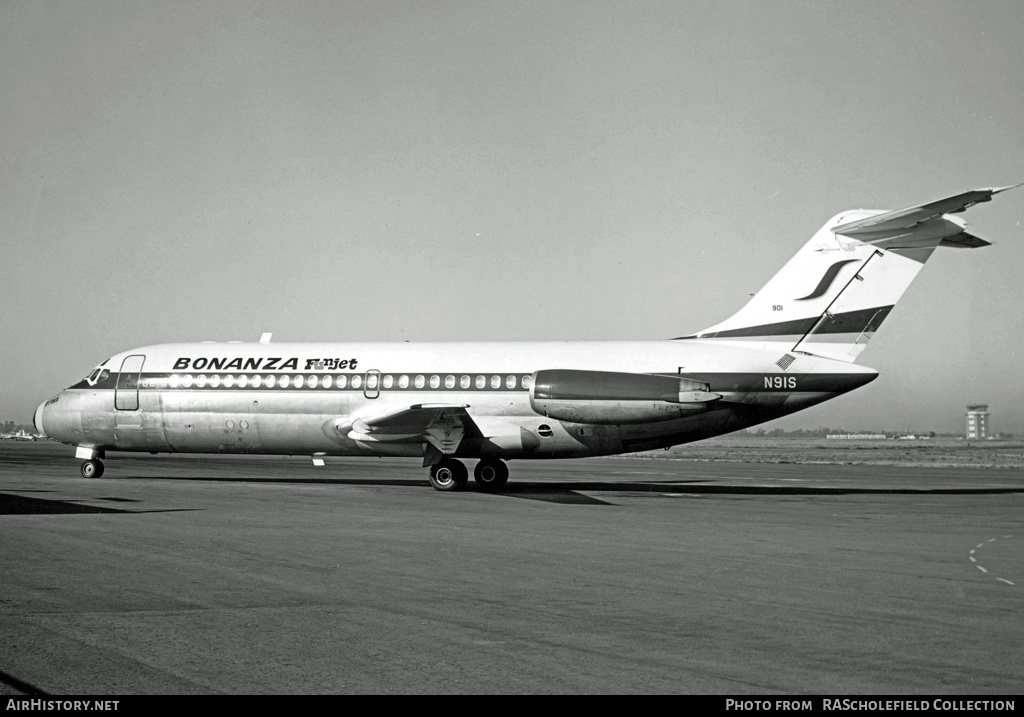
pixel 441 425
pixel 901 220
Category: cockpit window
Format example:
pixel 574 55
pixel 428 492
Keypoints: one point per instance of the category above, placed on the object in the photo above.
pixel 98 375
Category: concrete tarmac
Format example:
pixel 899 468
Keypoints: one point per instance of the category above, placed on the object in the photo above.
pixel 175 575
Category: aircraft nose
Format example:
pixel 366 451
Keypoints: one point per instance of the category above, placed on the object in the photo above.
pixel 37 419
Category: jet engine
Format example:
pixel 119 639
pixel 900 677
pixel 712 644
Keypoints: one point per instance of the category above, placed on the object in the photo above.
pixel 606 397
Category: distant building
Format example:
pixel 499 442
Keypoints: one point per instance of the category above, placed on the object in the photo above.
pixel 977 421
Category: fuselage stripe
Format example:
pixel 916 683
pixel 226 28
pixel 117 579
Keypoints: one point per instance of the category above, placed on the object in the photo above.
pixel 371 381
pixel 518 383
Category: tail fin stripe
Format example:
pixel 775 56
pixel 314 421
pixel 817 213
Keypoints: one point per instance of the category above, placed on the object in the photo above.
pixel 842 323
pixel 850 322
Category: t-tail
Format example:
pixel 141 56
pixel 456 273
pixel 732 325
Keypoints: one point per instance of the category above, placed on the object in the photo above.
pixel 834 294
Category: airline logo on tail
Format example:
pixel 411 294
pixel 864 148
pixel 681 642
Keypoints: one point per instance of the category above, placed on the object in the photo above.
pixel 826 280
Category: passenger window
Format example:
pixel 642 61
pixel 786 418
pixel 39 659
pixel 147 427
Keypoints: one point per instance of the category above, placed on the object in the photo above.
pixel 495 381
pixel 527 381
pixel 464 382
pixel 389 381
pixel 284 382
pixel 298 382
pixel 342 381
pixel 510 382
pixel 481 381
pixel 449 382
pixel 420 381
pixel 313 381
pixel 357 381
pixel 328 382
pixel 435 381
pixel 403 382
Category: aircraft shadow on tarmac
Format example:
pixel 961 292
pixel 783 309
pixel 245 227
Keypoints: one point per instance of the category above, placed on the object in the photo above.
pixel 552 492
pixel 13 504
pixel 572 492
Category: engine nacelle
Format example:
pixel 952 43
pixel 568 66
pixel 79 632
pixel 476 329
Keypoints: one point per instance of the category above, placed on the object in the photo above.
pixel 606 397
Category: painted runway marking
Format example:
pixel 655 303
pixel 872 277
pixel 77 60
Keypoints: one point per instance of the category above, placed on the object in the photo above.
pixel 974 560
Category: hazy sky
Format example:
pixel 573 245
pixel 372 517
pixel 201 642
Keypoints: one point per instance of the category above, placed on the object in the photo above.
pixel 387 170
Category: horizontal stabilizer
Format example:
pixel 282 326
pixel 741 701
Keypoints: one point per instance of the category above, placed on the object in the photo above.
pixel 963 240
pixel 902 220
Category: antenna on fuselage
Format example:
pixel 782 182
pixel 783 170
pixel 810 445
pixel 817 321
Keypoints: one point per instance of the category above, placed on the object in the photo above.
pixel 265 338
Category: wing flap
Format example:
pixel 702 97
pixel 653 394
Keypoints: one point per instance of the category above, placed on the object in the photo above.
pixel 414 419
pixel 442 426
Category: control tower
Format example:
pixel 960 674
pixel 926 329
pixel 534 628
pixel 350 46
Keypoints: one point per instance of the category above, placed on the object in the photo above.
pixel 977 421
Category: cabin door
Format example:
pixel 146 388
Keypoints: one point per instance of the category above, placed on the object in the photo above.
pixel 126 393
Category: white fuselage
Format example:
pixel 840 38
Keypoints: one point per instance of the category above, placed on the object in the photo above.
pixel 308 398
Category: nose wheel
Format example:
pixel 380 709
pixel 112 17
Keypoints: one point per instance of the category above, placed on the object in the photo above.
pixel 92 468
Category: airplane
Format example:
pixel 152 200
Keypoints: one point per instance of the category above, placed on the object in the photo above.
pixel 21 435
pixel 792 346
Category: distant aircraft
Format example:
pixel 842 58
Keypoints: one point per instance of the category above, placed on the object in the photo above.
pixel 21 435
pixel 790 347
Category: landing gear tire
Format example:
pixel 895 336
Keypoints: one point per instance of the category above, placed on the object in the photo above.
pixel 92 469
pixel 448 475
pixel 490 475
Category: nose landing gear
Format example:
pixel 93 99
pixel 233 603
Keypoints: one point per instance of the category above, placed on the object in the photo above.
pixel 92 468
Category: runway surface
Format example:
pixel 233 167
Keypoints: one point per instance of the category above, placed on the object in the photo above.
pixel 228 575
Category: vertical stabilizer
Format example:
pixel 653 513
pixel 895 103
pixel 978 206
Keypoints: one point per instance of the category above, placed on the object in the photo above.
pixel 831 297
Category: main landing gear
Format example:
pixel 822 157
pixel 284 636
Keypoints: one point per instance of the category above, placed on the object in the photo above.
pixel 491 475
pixel 448 475
pixel 92 468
